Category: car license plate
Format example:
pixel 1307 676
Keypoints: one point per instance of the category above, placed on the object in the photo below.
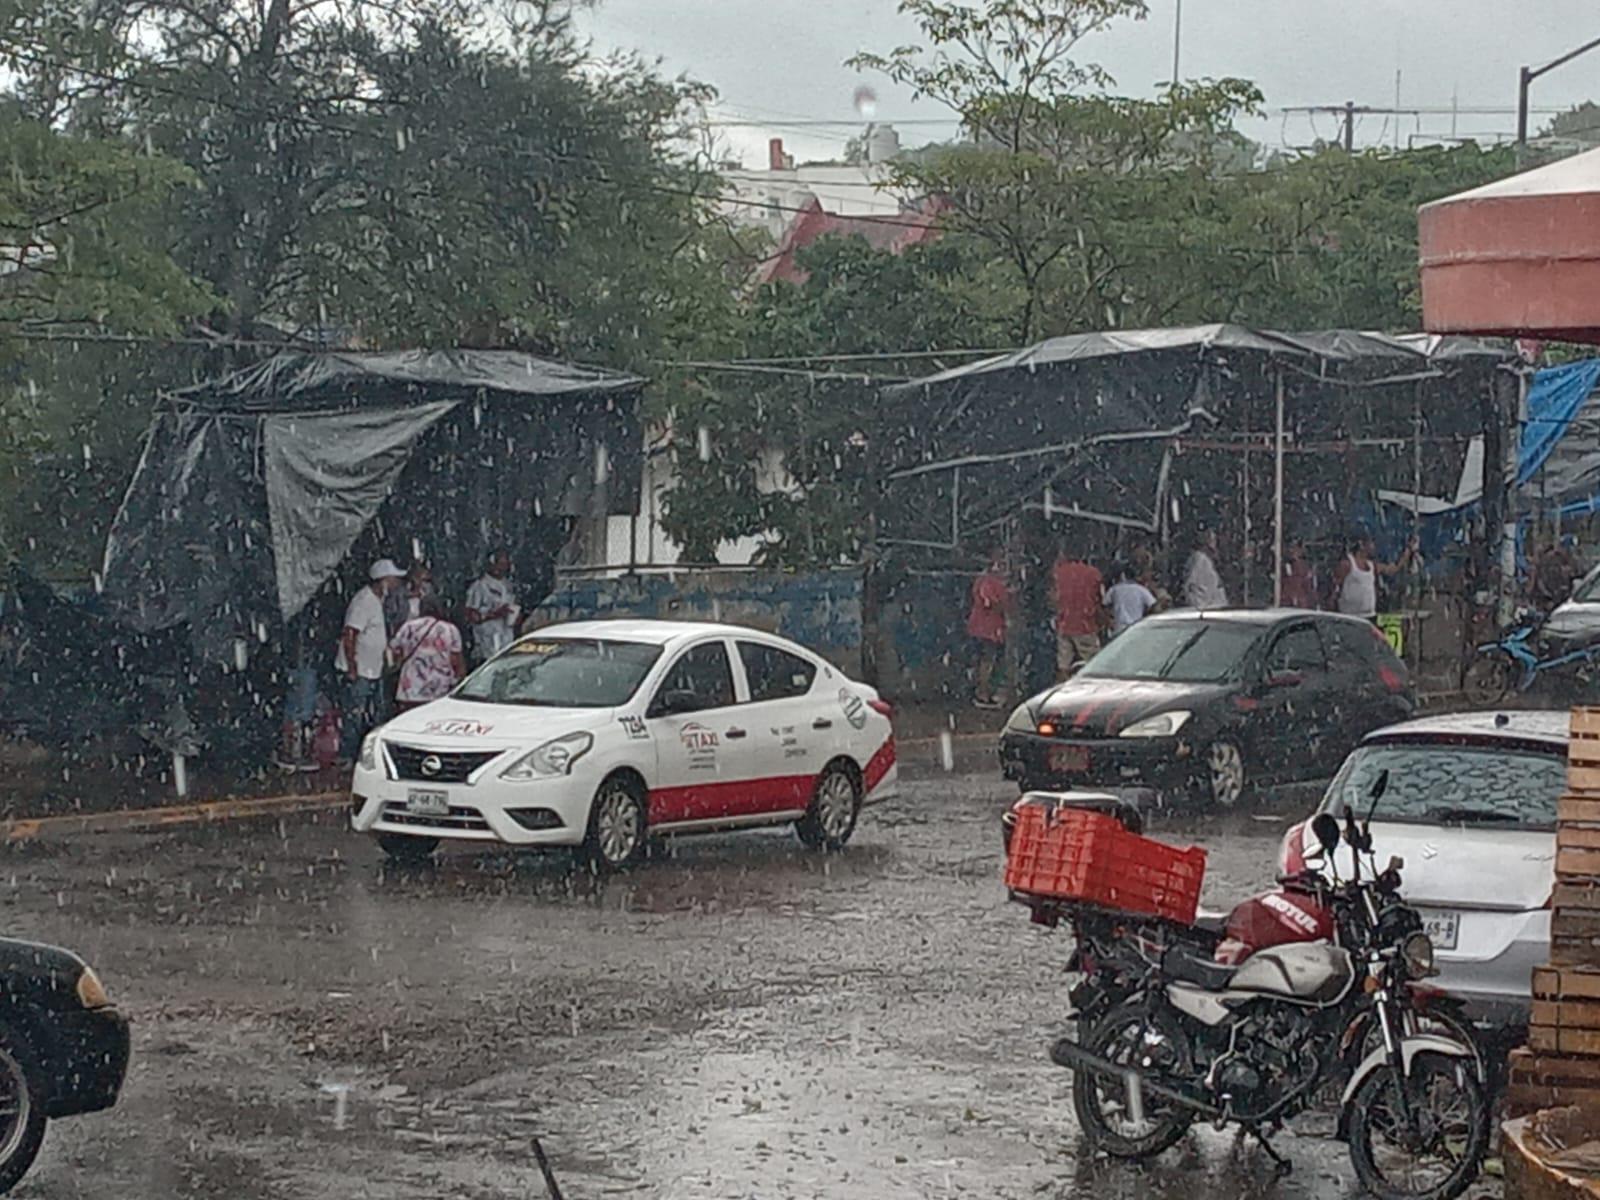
pixel 1442 926
pixel 426 803
pixel 1069 760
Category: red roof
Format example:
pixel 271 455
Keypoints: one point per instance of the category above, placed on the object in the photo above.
pixel 1519 257
pixel 909 227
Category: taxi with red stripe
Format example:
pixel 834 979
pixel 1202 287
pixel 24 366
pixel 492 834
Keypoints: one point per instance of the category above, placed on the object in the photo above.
pixel 602 734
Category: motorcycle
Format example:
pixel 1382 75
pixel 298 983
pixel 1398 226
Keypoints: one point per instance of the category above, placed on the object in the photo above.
pixel 1168 1034
pixel 1517 659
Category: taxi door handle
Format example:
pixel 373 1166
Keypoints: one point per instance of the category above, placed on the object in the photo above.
pixel 822 723
pixel 735 733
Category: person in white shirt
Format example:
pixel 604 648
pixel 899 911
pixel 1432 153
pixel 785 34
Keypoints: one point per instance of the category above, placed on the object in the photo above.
pixel 1202 586
pixel 492 609
pixel 1129 601
pixel 1355 578
pixel 363 643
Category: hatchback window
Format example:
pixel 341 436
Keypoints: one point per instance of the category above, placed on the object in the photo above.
pixel 775 674
pixel 1185 651
pixel 1296 650
pixel 1446 784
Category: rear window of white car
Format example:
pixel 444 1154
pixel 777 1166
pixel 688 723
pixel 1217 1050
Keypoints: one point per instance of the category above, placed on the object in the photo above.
pixel 562 673
pixel 1451 784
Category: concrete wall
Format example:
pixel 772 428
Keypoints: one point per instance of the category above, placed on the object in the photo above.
pixel 819 610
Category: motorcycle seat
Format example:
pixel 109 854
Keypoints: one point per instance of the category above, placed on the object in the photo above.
pixel 1182 964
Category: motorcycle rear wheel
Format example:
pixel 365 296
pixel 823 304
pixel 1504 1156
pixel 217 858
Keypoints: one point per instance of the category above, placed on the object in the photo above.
pixel 1152 1042
pixel 1439 1157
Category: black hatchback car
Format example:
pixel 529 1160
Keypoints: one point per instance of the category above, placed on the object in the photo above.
pixel 1205 704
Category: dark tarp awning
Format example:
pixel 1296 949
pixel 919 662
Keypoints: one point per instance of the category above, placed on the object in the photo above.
pixel 252 490
pixel 1087 424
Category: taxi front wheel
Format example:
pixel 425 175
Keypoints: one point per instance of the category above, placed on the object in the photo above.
pixel 616 837
pixel 407 848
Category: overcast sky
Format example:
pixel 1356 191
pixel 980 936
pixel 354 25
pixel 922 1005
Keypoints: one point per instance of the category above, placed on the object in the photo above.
pixel 782 60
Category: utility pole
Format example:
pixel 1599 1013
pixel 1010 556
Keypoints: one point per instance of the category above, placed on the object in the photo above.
pixel 1527 75
pixel 1177 40
pixel 1349 126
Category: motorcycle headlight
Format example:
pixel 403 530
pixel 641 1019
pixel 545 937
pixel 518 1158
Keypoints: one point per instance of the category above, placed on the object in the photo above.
pixel 369 752
pixel 1417 954
pixel 1021 718
pixel 555 757
pixel 1161 725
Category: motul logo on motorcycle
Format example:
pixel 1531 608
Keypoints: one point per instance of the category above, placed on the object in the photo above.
pixel 1289 913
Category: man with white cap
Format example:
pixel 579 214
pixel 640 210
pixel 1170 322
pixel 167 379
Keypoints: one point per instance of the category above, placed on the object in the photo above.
pixel 360 661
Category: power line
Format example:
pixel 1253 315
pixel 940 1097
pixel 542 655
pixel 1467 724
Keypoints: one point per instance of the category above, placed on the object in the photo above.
pixel 27 54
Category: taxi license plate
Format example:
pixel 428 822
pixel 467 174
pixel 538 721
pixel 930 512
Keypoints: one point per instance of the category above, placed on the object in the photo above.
pixel 426 803
pixel 1069 759
pixel 1442 927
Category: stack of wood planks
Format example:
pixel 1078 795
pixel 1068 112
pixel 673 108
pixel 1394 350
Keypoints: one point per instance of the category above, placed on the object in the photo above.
pixel 1561 1064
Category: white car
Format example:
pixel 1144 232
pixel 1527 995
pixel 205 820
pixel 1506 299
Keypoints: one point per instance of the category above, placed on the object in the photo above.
pixel 1470 805
pixel 600 734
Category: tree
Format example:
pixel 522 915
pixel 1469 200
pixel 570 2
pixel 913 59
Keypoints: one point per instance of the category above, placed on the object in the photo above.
pixel 81 251
pixel 1052 168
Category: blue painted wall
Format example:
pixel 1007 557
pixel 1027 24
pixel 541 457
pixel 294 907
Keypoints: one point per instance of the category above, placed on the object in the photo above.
pixel 820 610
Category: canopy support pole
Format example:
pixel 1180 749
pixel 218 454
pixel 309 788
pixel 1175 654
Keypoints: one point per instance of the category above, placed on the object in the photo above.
pixel 1412 563
pixel 1277 493
pixel 1248 558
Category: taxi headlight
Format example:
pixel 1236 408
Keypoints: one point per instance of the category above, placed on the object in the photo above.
pixel 1417 954
pixel 1161 725
pixel 369 752
pixel 91 992
pixel 555 757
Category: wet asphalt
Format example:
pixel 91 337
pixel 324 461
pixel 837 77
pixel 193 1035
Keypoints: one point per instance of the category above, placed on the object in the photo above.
pixel 737 1018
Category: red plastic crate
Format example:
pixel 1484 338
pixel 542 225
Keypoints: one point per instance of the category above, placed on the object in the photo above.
pixel 1072 854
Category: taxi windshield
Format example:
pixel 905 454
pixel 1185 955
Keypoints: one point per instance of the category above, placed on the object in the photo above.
pixel 562 673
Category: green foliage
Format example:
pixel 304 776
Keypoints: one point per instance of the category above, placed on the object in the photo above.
pixel 1068 209
pixel 79 226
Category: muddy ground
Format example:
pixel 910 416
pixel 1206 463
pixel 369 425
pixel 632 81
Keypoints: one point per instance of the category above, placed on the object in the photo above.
pixel 737 1018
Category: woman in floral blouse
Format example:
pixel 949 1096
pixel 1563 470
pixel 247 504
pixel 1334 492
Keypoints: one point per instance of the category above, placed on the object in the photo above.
pixel 428 650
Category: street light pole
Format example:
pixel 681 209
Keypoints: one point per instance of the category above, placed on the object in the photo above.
pixel 1528 74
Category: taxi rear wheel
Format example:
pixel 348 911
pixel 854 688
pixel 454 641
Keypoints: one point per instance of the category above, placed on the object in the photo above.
pixel 616 836
pixel 835 805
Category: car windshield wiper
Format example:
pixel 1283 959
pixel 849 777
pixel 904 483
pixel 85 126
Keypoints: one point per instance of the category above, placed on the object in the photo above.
pixel 1487 816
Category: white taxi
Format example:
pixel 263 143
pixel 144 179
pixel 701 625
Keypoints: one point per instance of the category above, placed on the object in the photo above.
pixel 600 734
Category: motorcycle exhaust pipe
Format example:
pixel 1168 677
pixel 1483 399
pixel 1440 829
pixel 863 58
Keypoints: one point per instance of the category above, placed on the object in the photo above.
pixel 1067 1053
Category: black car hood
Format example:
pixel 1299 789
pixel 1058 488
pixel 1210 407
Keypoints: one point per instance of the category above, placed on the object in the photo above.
pixel 1104 707
pixel 39 973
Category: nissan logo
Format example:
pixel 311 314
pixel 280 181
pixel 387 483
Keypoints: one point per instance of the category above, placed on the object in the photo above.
pixel 432 765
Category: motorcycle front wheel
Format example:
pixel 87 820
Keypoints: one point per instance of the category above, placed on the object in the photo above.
pixel 1151 1043
pixel 1436 1153
pixel 1488 680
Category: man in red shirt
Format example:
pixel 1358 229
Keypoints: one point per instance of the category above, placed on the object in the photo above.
pixel 986 625
pixel 1080 608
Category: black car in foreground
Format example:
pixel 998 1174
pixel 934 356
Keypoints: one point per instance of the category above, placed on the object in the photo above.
pixel 63 1048
pixel 1206 704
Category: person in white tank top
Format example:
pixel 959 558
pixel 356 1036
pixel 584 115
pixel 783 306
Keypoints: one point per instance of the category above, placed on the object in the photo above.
pixel 1355 579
